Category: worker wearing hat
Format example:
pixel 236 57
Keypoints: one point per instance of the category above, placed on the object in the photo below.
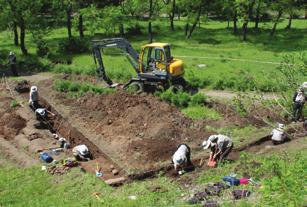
pixel 298 103
pixel 33 98
pixel 220 146
pixel 279 135
pixel 13 62
pixel 81 153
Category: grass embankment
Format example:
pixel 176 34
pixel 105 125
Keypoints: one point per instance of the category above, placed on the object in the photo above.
pixel 76 89
pixel 214 57
pixel 282 179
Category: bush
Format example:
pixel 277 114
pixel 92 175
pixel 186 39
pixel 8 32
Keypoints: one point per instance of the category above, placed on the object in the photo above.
pixel 200 112
pixel 42 48
pixel 197 99
pixel 135 30
pixel 181 99
pixel 73 46
pixel 31 63
pixel 72 69
pixel 78 89
pixel 14 104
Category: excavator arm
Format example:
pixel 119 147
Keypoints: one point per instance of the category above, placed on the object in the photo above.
pixel 120 43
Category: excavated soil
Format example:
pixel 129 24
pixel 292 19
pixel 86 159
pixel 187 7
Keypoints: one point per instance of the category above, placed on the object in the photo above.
pixel 10 123
pixel 141 129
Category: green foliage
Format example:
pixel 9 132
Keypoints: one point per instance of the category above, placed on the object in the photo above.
pixel 282 177
pixel 239 105
pixel 197 99
pixel 73 69
pixel 73 46
pixel 31 63
pixel 179 99
pixel 77 89
pixel 14 104
pixel 284 183
pixel 201 112
pixel 77 189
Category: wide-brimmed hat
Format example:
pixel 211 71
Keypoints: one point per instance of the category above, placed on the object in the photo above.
pixel 33 88
pixel 281 126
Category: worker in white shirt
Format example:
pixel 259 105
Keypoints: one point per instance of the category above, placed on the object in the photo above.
pixel 182 158
pixel 220 146
pixel 81 153
pixel 279 135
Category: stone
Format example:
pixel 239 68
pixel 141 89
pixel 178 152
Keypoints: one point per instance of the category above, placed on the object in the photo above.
pixel 115 181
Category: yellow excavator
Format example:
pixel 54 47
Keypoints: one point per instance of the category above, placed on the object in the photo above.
pixel 154 65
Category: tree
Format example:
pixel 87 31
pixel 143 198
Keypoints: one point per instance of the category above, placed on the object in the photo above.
pixel 25 14
pixel 279 7
pixel 292 6
pixel 260 5
pixel 170 10
pixel 229 9
pixel 245 8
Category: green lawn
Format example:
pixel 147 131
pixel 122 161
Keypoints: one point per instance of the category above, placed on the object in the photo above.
pixel 32 187
pixel 227 61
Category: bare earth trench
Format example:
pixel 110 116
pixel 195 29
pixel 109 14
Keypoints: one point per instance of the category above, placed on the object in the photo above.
pixel 135 133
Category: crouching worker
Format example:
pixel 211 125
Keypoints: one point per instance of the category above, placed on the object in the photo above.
pixel 81 153
pixel 33 98
pixel 42 114
pixel 182 158
pixel 279 135
pixel 220 146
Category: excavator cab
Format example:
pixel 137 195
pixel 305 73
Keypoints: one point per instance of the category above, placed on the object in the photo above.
pixel 156 58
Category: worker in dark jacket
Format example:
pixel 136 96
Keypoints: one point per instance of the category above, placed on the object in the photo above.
pixel 13 62
pixel 298 104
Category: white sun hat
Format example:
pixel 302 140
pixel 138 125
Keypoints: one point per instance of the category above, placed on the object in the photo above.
pixel 206 144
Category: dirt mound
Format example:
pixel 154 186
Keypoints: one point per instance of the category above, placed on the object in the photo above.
pixel 137 127
pixel 11 124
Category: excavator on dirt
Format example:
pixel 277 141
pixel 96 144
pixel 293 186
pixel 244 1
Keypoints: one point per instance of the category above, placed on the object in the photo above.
pixel 154 65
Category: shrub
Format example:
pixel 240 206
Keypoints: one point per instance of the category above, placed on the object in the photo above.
pixel 76 89
pixel 135 30
pixel 197 99
pixel 42 48
pixel 14 104
pixel 73 69
pixel 32 63
pixel 200 112
pixel 73 46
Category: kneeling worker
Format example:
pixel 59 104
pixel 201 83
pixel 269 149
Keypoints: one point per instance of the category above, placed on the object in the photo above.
pixel 220 146
pixel 182 157
pixel 81 153
pixel 279 135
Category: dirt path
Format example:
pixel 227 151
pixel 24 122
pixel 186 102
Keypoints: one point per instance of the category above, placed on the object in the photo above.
pixel 218 94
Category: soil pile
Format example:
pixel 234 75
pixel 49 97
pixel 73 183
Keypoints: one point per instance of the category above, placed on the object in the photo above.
pixel 10 123
pixel 141 128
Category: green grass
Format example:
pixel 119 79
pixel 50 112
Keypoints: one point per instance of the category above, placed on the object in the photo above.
pixel 14 104
pixel 241 135
pixel 201 112
pixel 32 187
pixel 75 89
pixel 212 44
pixel 281 177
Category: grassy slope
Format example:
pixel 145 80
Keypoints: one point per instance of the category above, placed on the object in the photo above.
pixel 210 45
pixel 280 175
pixel 31 187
